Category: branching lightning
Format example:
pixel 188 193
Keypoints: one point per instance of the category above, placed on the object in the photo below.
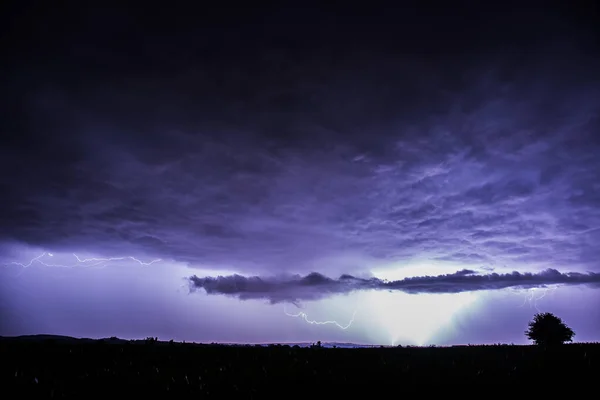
pixel 304 316
pixel 80 262
pixel 535 295
pixel 116 259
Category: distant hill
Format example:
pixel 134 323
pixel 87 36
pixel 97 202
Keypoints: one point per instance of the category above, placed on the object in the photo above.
pixel 59 338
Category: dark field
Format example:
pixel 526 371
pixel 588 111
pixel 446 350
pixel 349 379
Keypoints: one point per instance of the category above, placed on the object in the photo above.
pixel 82 368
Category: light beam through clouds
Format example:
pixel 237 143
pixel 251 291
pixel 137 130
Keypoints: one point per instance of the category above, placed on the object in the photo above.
pixel 408 319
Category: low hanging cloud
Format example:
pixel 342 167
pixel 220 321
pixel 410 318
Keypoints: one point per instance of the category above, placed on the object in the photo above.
pixel 316 286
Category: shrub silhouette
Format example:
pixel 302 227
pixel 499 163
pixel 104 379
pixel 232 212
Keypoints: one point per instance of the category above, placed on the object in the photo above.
pixel 151 340
pixel 546 329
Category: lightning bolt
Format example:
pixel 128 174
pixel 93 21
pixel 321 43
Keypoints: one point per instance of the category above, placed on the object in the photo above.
pixel 533 297
pixel 116 259
pixel 304 316
pixel 80 262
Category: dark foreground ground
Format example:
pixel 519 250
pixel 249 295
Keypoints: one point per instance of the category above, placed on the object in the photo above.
pixel 83 368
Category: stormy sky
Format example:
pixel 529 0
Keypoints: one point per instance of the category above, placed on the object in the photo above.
pixel 382 176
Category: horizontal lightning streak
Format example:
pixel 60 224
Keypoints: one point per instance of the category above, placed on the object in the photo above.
pixel 81 262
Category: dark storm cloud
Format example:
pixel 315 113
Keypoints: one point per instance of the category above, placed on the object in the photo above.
pixel 276 157
pixel 316 286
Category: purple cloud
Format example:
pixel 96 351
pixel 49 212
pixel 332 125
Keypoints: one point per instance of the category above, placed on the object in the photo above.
pixel 320 171
pixel 315 286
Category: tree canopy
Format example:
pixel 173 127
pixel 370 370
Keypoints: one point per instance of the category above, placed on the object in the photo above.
pixel 547 329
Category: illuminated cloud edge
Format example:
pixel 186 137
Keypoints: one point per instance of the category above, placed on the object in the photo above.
pixel 315 286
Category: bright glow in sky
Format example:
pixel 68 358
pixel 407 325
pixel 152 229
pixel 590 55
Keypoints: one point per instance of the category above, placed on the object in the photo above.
pixel 414 319
pixel 368 317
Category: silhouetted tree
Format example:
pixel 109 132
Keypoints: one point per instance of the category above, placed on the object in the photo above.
pixel 151 340
pixel 547 329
